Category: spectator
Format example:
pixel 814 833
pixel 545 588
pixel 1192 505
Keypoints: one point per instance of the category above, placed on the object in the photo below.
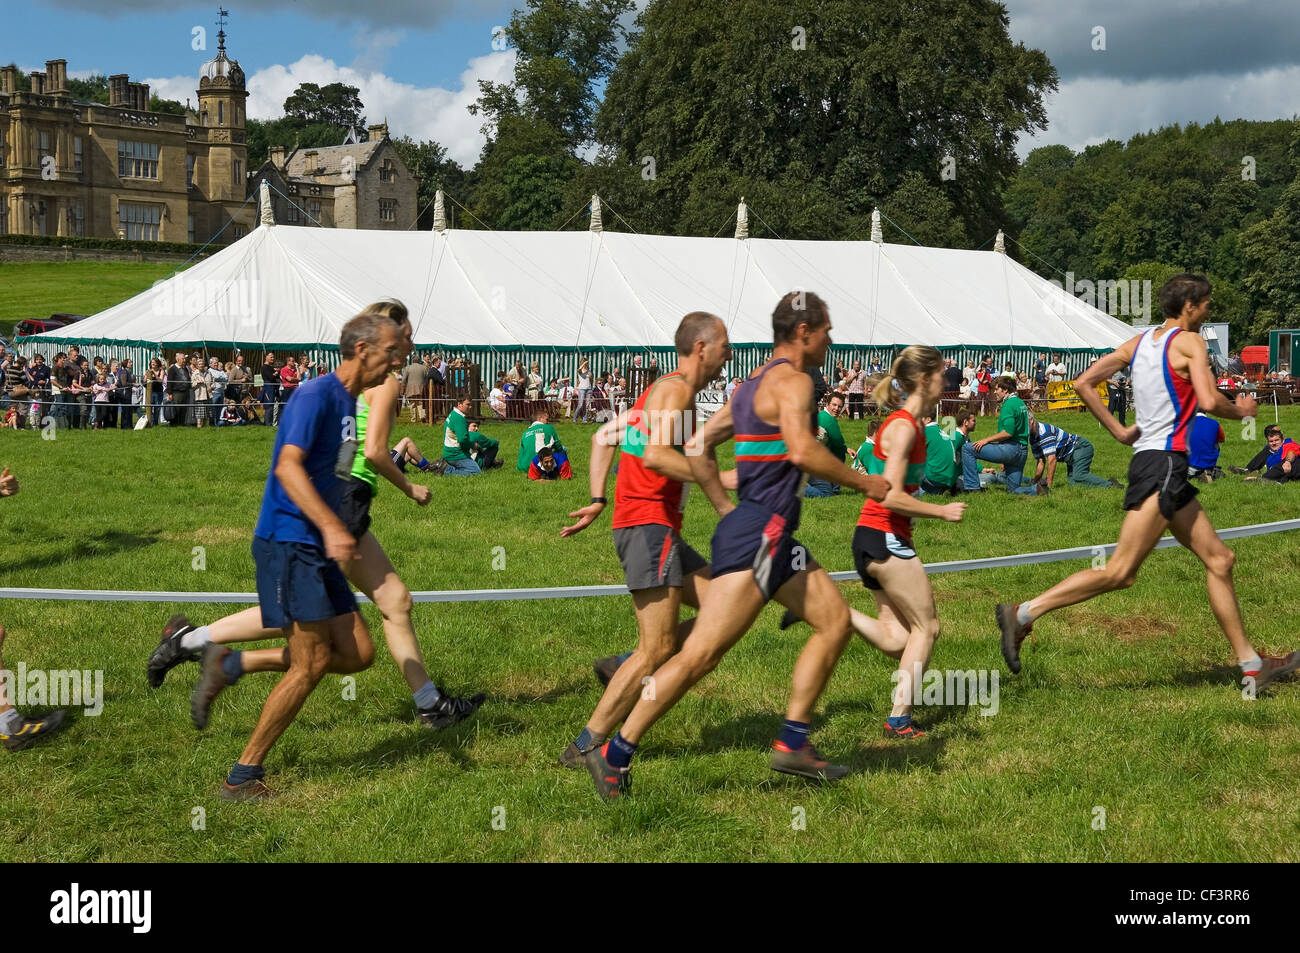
pixel 220 383
pixel 854 385
pixel 966 420
pixel 1056 370
pixel 1040 375
pixel 731 386
pixel 269 397
pixel 584 409
pixel 455 438
pixel 952 378
pixel 114 402
pixel 1203 449
pixel 58 386
pixel 497 398
pixel 968 377
pixel 940 460
pixel 984 383
pixel 178 393
pixel 154 384
pixel 38 378
pixel 1050 444
pixel 201 391
pixel 1009 446
pixel 539 435
pixel 238 380
pixel 534 384
pixel 550 464
pixel 289 380
pixel 828 432
pixel 482 448
pixel 125 394
pixel 11 417
pixel 74 385
pixel 862 459
pixel 415 378
pixel 1277 459
pixel 230 415
pixel 567 396
pixel 617 389
pixel 101 389
pixel 1117 393
pixel 17 390
pixel 552 391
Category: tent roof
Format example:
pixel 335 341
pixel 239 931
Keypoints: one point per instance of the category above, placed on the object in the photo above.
pixel 296 286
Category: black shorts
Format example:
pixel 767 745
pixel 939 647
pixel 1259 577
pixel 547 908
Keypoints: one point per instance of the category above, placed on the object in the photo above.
pixel 1159 472
pixel 751 538
pixel 871 545
pixel 354 508
pixel 654 555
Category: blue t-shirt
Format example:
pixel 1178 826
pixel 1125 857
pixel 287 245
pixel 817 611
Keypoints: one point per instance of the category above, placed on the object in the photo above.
pixel 320 419
pixel 1203 444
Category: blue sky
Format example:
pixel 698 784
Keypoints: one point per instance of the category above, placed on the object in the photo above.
pixel 417 62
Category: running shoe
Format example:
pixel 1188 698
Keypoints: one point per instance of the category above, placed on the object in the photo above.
pixel 449 709
pixel 806 762
pixel 908 731
pixel 1013 634
pixel 788 618
pixel 605 668
pixel 169 652
pixel 575 757
pixel 212 681
pixel 1274 667
pixel 252 790
pixel 611 782
pixel 32 730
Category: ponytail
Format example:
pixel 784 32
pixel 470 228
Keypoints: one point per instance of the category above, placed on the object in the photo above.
pixel 884 392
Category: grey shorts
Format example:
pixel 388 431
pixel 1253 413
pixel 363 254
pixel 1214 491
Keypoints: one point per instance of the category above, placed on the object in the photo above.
pixel 654 555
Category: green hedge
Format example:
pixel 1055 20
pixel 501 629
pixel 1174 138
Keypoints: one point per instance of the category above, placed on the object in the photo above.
pixel 114 244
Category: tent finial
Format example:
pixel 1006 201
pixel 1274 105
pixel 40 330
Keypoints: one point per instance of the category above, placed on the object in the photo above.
pixel 596 225
pixel 267 212
pixel 439 212
pixel 877 235
pixel 742 220
pixel 999 245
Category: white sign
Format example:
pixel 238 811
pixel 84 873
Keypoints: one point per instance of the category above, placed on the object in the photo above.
pixel 708 403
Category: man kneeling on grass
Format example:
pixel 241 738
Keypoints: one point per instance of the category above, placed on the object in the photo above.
pixel 1050 445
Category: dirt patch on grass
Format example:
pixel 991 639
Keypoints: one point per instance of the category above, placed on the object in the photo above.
pixel 206 535
pixel 1136 628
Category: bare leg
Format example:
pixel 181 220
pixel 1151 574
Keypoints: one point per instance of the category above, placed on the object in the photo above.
pixel 887 635
pixel 911 601
pixel 1191 527
pixel 656 619
pixel 812 595
pixel 1141 530
pixel 309 654
pixel 374 575
pixel 733 604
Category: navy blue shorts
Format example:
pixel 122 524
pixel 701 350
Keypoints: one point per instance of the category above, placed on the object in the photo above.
pixel 299 583
pixel 753 538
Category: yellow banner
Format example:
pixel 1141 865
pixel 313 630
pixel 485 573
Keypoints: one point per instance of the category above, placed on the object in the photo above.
pixel 1061 395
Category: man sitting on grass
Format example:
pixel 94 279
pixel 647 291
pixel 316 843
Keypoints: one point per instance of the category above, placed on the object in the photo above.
pixel 482 448
pixel 1277 459
pixel 829 435
pixel 940 458
pixel 1203 449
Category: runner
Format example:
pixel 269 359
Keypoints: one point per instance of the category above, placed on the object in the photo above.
pixel 661 570
pixel 755 554
pixel 371 572
pixel 882 544
pixel 1170 371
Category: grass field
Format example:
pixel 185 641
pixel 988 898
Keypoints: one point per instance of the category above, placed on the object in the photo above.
pixel 39 289
pixel 1129 704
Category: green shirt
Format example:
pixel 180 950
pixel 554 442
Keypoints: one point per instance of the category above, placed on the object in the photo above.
pixel 361 467
pixel 455 434
pixel 536 437
pixel 828 432
pixel 940 462
pixel 1013 418
pixel 866 450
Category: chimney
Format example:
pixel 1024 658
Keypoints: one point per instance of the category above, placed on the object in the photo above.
pixel 133 92
pixel 144 97
pixel 378 131
pixel 8 79
pixel 56 72
pixel 117 89
pixel 38 82
pixel 277 156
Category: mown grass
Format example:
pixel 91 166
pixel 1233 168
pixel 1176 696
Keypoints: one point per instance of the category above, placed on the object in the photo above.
pixel 1129 703
pixel 39 289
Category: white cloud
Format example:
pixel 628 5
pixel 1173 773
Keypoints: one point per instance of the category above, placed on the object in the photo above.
pixel 1090 110
pixel 419 112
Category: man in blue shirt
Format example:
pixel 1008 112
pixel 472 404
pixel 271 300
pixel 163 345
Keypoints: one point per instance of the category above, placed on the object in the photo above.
pixel 299 543
pixel 1203 449
pixel 1050 445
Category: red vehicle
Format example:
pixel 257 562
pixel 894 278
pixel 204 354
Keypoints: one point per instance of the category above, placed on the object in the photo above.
pixel 39 325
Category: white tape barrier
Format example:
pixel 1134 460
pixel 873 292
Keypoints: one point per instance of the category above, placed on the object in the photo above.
pixel 579 592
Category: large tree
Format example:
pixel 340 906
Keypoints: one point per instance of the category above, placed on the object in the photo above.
pixel 852 94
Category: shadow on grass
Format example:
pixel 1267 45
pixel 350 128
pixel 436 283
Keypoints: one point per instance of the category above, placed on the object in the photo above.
pixel 108 543
pixel 404 743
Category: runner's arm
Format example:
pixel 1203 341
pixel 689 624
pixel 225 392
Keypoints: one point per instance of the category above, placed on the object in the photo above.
pixel 666 411
pixel 896 441
pixel 701 455
pixel 379 427
pixel 1208 395
pixel 603 443
pixel 1102 369
pixel 808 453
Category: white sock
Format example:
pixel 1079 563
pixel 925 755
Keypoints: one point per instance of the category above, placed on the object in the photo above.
pixel 9 720
pixel 1252 664
pixel 196 639
pixel 427 695
pixel 1023 615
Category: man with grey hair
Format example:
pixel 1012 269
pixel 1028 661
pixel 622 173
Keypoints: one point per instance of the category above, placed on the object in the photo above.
pixel 300 542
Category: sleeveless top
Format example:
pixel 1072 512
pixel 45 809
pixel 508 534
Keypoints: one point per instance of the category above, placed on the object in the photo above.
pixel 1166 401
pixel 361 467
pixel 763 468
pixel 640 495
pixel 876 515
